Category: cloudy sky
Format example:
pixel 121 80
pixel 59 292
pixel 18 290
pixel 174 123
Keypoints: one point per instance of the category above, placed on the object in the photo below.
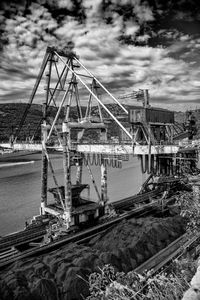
pixel 127 44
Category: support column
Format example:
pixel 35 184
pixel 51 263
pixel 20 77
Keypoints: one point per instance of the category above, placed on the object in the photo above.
pixel 104 182
pixel 146 98
pixel 79 172
pixel 67 174
pixel 44 139
pixel 103 134
pixel 44 166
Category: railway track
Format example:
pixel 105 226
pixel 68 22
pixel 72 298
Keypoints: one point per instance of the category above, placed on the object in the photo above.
pixel 166 255
pixel 22 237
pixel 155 263
pixel 132 200
pixel 37 232
pixel 80 237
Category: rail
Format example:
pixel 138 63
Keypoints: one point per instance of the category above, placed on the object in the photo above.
pixel 21 238
pixel 132 200
pixel 164 256
pixel 81 237
pixel 162 259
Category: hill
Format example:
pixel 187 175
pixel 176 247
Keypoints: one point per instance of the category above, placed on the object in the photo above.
pixel 11 114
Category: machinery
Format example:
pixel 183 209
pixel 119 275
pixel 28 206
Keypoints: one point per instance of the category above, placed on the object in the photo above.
pixel 72 90
pixel 78 100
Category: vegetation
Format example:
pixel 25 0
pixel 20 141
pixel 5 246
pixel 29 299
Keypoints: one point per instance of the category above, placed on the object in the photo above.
pixel 190 210
pixel 11 114
pixel 169 284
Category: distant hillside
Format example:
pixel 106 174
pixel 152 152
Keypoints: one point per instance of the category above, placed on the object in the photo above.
pixel 11 114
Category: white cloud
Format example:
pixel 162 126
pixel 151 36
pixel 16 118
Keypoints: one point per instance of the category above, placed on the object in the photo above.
pixel 131 28
pixel 92 8
pixel 65 4
pixel 123 68
pixel 143 11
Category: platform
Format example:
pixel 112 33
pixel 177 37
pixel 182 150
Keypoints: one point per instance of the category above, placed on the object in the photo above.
pixel 106 148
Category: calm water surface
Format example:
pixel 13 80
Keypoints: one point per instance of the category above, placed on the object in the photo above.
pixel 20 187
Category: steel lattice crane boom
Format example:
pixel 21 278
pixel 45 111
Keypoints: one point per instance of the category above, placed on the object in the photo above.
pixel 141 95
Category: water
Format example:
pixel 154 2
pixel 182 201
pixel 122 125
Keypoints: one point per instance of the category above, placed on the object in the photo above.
pixel 20 187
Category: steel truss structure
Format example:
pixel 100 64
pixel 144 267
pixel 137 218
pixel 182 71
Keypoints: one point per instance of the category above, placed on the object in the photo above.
pixel 73 91
pixel 81 103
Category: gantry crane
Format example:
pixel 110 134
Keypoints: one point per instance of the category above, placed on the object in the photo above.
pixel 74 92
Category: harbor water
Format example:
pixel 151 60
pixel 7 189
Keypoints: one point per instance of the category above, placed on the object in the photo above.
pixel 20 186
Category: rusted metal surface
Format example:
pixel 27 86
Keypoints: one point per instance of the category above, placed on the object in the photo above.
pixel 155 149
pixel 125 149
pixel 104 182
pixel 151 115
pixel 67 178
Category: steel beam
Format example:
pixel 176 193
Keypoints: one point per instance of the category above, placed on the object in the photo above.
pixel 105 148
pixel 104 182
pixel 67 175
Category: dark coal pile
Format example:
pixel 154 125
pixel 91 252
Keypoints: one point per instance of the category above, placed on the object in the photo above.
pixel 63 273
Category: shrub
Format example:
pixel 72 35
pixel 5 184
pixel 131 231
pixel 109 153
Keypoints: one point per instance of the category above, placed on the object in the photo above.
pixel 111 285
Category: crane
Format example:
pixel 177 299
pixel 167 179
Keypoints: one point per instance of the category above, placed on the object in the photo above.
pixel 140 95
pixel 74 92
